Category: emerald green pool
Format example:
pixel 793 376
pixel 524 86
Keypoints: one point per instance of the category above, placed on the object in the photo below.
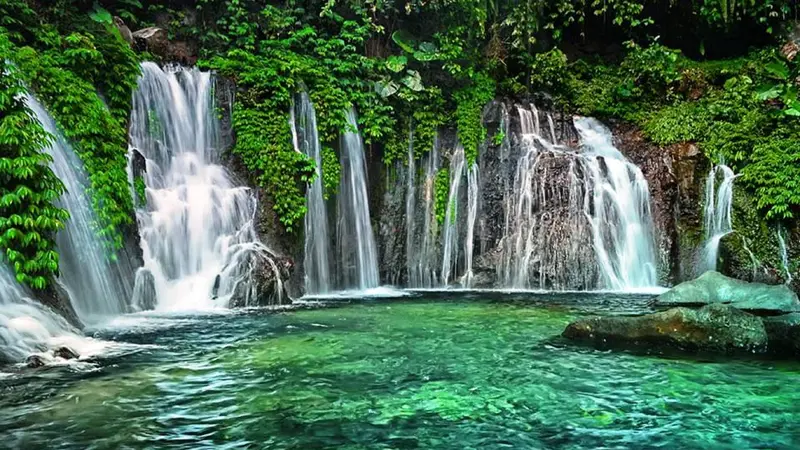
pixel 433 374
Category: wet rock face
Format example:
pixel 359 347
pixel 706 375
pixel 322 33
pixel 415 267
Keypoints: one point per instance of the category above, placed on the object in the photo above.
pixel 260 283
pixel 65 353
pixel 57 298
pixel 715 288
pixel 144 290
pixel 35 361
pixel 784 334
pixel 714 328
pixel 151 39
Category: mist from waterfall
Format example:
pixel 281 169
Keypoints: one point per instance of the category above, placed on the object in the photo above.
pixel 717 214
pixel 197 232
pixel 356 249
pixel 620 211
pixel 317 240
pixel 98 287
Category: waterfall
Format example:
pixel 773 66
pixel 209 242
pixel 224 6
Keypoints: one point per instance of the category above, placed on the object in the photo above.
pixel 718 205
pixel 547 241
pixel 422 262
pixel 358 254
pixel 784 257
pixel 450 232
pixel 473 195
pixel 97 285
pixel 412 253
pixel 317 240
pixel 26 327
pixel 620 211
pixel 197 233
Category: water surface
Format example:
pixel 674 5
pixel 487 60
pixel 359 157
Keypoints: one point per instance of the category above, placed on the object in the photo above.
pixel 437 373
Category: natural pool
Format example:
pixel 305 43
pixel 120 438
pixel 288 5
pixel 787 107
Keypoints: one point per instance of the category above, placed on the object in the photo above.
pixel 432 372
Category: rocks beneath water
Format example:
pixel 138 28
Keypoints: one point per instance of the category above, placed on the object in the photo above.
pixel 714 328
pixel 36 361
pixel 713 287
pixel 727 322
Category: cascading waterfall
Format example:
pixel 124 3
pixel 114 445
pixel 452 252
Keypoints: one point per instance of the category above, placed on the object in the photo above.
pixel 620 211
pixel 473 195
pixel 97 286
pixel 411 182
pixel 718 205
pixel 547 241
pixel 450 231
pixel 784 256
pixel 357 251
pixel 197 234
pixel 422 248
pixel 317 240
pixel 26 327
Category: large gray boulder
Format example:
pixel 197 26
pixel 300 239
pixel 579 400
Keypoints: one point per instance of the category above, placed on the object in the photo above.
pixel 713 287
pixel 152 39
pixel 258 281
pixel 714 328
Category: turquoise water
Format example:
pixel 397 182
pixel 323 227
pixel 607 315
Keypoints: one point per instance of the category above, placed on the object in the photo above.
pixel 443 374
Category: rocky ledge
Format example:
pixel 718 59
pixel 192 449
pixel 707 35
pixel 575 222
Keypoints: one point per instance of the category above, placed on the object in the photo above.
pixel 714 314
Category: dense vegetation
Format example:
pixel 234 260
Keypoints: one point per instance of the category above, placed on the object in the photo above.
pixel 79 66
pixel 708 71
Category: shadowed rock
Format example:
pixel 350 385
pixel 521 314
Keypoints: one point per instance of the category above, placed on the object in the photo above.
pixel 713 287
pixel 35 361
pixel 261 283
pixel 65 353
pixel 713 328
pixel 784 334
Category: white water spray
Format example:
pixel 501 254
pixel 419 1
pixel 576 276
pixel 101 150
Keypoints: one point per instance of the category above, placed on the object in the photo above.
pixel 198 238
pixel 619 213
pixel 98 287
pixel 450 232
pixel 473 196
pixel 784 256
pixel 317 240
pixel 718 205
pixel 358 254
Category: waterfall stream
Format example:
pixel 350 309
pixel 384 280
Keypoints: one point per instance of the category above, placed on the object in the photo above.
pixel 317 239
pixel 451 217
pixel 98 286
pixel 620 211
pixel 717 215
pixel 197 233
pixel 357 251
pixel 784 256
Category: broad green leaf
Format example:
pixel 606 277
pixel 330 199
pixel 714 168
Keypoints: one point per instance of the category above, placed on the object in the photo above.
pixel 768 92
pixel 385 87
pixel 396 63
pixel 778 69
pixel 101 15
pixel 405 40
pixel 413 81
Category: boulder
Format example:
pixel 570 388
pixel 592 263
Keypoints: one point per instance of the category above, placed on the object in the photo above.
pixel 152 39
pixel 713 287
pixel 714 328
pixel 144 290
pixel 124 31
pixel 35 361
pixel 65 353
pixel 784 334
pixel 258 281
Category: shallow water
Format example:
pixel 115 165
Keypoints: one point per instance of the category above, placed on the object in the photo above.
pixel 425 373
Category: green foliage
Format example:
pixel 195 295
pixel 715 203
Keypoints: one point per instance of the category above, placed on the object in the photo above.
pixel 29 218
pixel 441 193
pixel 469 110
pixel 140 188
pixel 331 172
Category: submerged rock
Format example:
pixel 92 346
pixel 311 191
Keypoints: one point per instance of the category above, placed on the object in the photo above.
pixel 35 361
pixel 715 328
pixel 784 334
pixel 713 287
pixel 65 353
